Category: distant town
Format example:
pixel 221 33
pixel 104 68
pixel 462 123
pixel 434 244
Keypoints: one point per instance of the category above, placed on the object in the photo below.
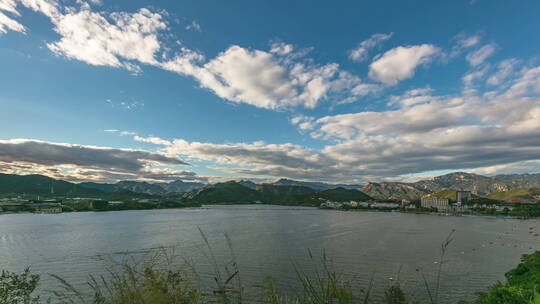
pixel 464 204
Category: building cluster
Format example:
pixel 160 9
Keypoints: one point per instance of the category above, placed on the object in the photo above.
pixel 36 206
pixel 462 204
pixel 354 204
pixel 443 204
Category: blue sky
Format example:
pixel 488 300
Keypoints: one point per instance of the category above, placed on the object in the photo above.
pixel 342 91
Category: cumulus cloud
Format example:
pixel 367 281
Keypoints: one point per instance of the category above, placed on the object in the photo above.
pixel 118 39
pixel 276 79
pixel 360 53
pixel 401 62
pixel 8 23
pixel 273 80
pixel 479 56
pixel 426 132
pixel 35 156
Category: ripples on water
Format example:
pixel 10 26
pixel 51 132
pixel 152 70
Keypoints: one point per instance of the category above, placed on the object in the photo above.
pixel 269 239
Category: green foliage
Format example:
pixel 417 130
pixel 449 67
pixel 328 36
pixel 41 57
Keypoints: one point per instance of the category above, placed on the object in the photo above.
pixel 523 282
pixel 235 193
pixel 343 195
pixel 395 295
pixel 18 288
pixel 149 283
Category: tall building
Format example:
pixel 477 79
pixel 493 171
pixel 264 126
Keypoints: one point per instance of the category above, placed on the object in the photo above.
pixel 435 202
pixel 463 197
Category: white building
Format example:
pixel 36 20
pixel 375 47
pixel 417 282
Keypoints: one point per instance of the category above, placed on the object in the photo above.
pixel 332 205
pixel 435 202
pixel 384 205
pixel 352 204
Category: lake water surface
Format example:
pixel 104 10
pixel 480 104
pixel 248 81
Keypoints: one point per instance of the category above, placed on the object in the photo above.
pixel 268 240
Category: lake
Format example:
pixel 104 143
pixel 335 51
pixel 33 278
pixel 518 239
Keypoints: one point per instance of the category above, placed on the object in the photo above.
pixel 268 240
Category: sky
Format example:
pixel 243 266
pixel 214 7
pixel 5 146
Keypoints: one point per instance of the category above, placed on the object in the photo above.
pixel 331 91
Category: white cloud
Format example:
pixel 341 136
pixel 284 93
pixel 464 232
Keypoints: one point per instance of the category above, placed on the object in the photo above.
pixel 9 6
pixel 436 133
pixel 505 69
pixel 281 48
pixel 360 53
pixel 118 39
pixel 413 97
pixel 464 42
pixel 90 37
pixel 122 133
pixel 277 79
pixel 479 56
pixel 194 26
pixel 152 140
pixel 271 80
pixel 401 62
pixel 8 23
pixel 303 122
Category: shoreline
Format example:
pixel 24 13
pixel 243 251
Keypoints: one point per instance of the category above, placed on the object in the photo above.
pixel 475 215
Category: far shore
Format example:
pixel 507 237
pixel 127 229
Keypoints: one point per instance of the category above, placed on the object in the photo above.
pixel 473 215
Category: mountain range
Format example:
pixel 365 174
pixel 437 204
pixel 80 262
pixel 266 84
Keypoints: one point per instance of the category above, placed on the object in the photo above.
pixel 145 187
pixel 235 192
pixel 282 190
pixel 314 185
pixel 478 184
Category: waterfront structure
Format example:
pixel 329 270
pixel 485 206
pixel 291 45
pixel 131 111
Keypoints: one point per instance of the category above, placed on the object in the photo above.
pixel 332 205
pixel 48 208
pixel 12 207
pixel 384 205
pixel 352 204
pixel 441 204
pixel 405 203
pixel 463 197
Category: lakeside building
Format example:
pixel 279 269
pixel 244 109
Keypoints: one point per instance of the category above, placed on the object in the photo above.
pixel 48 208
pixel 338 205
pixel 333 205
pixel 14 207
pixel 463 197
pixel 441 204
pixel 384 205
pixel 405 202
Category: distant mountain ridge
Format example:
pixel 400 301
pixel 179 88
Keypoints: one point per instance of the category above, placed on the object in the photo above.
pixel 44 185
pixel 235 192
pixel 177 186
pixel 393 190
pixel 314 185
pixel 477 184
pixel 282 190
